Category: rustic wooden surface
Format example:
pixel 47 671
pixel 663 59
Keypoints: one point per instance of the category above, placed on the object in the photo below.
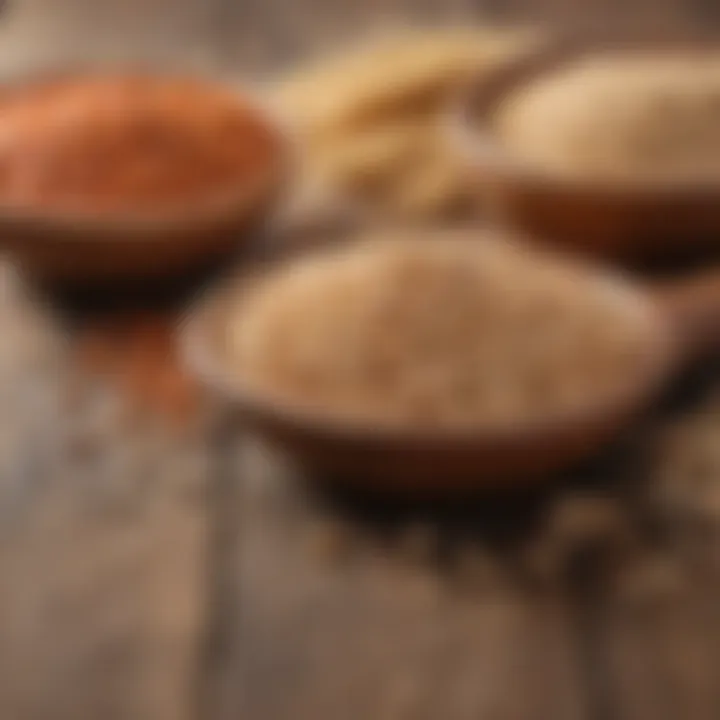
pixel 103 528
pixel 139 578
pixel 426 614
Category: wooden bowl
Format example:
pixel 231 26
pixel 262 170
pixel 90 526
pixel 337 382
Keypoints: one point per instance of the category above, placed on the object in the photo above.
pixel 628 221
pixel 442 462
pixel 92 249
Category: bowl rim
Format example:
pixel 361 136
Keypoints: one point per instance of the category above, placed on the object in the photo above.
pixel 54 222
pixel 201 356
pixel 467 124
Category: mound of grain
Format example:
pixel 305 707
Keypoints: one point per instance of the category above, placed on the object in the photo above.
pixel 446 331
pixel 615 116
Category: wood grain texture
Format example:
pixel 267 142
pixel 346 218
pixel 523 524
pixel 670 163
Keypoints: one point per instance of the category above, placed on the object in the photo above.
pixel 659 644
pixel 103 538
pixel 102 562
pixel 341 617
pixel 357 610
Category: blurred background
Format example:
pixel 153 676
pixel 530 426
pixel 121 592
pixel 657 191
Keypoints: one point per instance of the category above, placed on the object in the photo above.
pixel 260 34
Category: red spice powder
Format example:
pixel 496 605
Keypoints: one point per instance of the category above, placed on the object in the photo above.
pixel 138 354
pixel 127 143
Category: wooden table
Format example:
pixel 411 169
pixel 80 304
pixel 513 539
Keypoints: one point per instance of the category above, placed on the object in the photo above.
pixel 154 566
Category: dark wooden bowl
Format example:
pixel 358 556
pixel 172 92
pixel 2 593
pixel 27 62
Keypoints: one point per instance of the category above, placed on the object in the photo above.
pixel 633 220
pixel 94 249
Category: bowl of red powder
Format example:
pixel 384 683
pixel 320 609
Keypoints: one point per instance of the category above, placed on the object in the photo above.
pixel 132 175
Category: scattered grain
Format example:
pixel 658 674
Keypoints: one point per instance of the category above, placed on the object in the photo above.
pixel 419 543
pixel 651 581
pixel 579 522
pixel 686 472
pixel 330 541
pixel 474 569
